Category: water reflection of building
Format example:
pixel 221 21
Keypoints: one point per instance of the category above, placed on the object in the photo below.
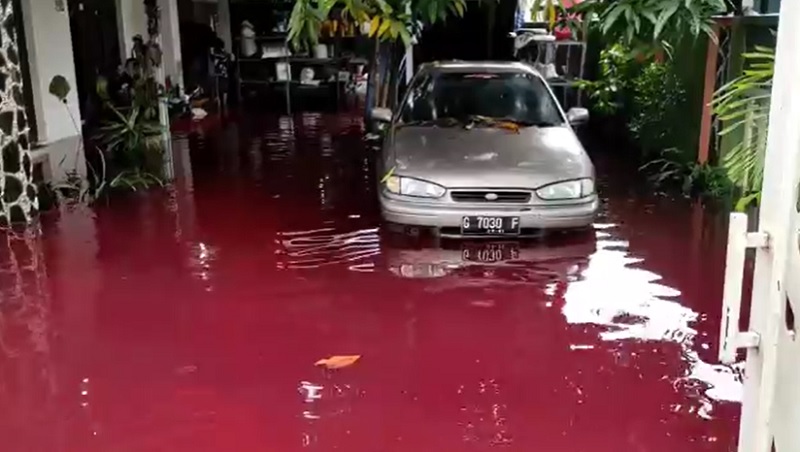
pixel 39 381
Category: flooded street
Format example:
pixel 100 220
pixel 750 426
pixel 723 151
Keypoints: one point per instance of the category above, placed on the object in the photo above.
pixel 191 319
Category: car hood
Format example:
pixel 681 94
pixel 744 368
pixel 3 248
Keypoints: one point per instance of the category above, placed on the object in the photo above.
pixel 489 157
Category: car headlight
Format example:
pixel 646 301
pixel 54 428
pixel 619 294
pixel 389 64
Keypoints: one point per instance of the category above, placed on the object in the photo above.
pixel 407 186
pixel 573 189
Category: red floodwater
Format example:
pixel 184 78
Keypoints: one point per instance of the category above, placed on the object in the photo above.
pixel 191 319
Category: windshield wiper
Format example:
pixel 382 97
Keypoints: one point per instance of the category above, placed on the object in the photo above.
pixel 508 120
pixel 471 120
pixel 545 124
pixel 441 122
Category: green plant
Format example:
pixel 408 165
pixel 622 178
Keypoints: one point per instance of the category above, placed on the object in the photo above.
pixel 47 196
pixel 673 169
pixel 657 96
pixel 607 93
pixel 74 187
pixel 132 141
pixel 389 20
pixel 742 105
pixel 651 25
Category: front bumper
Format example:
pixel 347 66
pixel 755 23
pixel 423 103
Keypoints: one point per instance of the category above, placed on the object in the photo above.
pixel 449 216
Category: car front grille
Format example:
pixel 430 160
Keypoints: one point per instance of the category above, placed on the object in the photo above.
pixel 488 196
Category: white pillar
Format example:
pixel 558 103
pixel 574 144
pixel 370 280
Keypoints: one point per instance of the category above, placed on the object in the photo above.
pixel 49 45
pixel 171 40
pixel 409 63
pixel 771 405
pixel 224 24
pixel 131 21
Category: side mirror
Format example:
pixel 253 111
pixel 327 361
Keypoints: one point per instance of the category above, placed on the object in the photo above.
pixel 577 115
pixel 381 114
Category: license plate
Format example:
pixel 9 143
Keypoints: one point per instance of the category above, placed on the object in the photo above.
pixel 479 225
pixel 490 253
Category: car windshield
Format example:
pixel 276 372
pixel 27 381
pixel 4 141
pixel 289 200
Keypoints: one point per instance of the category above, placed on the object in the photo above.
pixel 438 99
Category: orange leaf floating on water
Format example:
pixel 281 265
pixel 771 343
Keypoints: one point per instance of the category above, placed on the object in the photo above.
pixel 338 362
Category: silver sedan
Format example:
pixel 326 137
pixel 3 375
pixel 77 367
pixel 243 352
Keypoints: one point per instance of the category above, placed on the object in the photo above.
pixel 484 149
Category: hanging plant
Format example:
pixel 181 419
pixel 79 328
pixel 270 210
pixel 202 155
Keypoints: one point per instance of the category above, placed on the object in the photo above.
pixel 153 13
pixel 389 21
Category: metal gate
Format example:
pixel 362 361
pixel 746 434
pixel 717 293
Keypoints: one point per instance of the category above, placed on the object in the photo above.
pixel 771 404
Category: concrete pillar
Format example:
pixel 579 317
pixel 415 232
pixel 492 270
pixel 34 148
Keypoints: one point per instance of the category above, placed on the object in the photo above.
pixel 132 21
pixel 171 40
pixel 49 43
pixel 224 24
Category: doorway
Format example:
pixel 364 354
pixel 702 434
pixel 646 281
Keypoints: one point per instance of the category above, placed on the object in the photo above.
pixel 95 43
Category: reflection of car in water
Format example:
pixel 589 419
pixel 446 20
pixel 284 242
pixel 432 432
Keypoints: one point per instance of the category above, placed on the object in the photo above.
pixel 521 261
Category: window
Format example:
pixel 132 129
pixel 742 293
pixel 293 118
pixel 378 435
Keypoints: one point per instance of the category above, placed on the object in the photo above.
pixel 515 96
pixel 767 6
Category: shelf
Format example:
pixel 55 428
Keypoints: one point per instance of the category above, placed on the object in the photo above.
pixel 261 82
pixel 293 59
pixel 284 35
pixel 323 83
pixel 313 60
pixel 277 36
pixel 265 60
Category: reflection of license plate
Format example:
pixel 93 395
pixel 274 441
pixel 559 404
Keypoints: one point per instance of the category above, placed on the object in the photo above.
pixel 479 225
pixel 490 252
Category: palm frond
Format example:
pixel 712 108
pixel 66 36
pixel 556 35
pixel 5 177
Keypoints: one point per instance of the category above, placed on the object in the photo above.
pixel 742 105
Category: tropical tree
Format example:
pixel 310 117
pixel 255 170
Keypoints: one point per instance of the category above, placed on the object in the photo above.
pixel 742 105
pixel 651 26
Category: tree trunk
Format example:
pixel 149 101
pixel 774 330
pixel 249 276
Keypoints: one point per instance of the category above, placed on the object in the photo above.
pixel 372 81
pixel 18 203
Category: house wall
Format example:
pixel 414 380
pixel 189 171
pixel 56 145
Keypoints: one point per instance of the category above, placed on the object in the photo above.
pixel 18 201
pixel 49 50
pixel 49 41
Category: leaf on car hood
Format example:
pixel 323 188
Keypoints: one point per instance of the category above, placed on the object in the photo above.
pixel 508 126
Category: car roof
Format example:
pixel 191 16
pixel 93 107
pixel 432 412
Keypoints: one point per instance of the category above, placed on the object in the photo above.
pixel 457 66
